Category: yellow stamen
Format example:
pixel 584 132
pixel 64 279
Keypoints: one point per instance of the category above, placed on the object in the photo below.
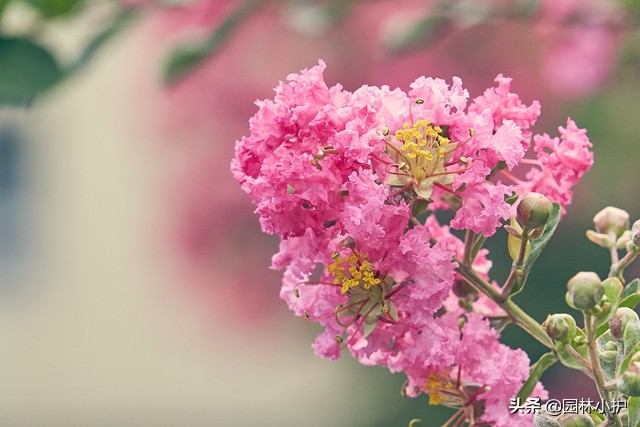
pixel 360 272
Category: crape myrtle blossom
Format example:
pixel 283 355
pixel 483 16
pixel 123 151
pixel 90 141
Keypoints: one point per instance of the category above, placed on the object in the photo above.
pixel 340 176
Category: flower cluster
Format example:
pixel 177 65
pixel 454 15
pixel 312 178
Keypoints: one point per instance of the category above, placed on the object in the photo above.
pixel 344 176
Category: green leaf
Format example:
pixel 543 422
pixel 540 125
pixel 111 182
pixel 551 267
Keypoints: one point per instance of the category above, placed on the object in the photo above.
pixel 566 358
pixel 607 357
pixel 121 21
pixel 477 246
pixel 3 4
pixel 26 70
pixel 631 288
pixel 627 359
pixel 633 406
pixel 185 59
pixel 419 35
pixel 537 246
pixel 545 361
pixel 368 328
pixel 55 8
pixel 631 335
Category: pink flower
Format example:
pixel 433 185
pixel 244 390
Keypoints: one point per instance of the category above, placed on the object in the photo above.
pixel 338 176
pixel 505 105
pixel 561 164
pixel 496 368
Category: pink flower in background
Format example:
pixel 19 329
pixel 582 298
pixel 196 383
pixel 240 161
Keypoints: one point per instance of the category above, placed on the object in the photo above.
pixel 581 40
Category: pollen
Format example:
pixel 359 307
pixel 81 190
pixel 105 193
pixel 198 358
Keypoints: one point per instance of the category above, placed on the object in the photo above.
pixel 424 146
pixel 435 386
pixel 354 271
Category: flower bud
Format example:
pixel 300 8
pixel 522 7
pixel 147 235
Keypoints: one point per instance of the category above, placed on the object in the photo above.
pixel 629 382
pixel 619 321
pixel 544 420
pixel 631 334
pixel 611 220
pixel 561 327
pixel 534 210
pixel 575 420
pixel 633 245
pixel 635 233
pixel 584 291
pixel 624 238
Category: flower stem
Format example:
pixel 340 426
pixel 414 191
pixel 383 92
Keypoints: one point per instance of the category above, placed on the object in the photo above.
pixel 618 268
pixel 519 317
pixel 469 238
pixel 516 269
pixel 598 375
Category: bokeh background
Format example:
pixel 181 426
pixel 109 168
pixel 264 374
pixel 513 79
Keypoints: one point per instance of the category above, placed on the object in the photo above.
pixel 135 287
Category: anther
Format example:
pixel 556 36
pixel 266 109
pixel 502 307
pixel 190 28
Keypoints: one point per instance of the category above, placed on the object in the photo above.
pixel 339 339
pixel 419 101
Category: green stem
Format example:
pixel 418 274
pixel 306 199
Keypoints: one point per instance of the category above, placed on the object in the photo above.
pixel 613 249
pixel 598 375
pixel 519 317
pixel 516 269
pixel 618 268
pixel 468 246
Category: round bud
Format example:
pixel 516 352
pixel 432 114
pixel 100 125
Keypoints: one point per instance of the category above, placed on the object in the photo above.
pixel 611 220
pixel 629 382
pixel 561 327
pixel 575 420
pixel 619 321
pixel 534 210
pixel 584 290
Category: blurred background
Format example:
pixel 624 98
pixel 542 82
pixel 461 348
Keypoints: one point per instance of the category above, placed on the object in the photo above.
pixel 134 279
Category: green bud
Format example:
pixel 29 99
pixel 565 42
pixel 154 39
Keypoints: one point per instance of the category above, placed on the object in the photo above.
pixel 611 220
pixel 611 346
pixel 631 334
pixel 575 420
pixel 624 238
pixel 561 327
pixel 618 322
pixel 534 210
pixel 584 291
pixel 635 233
pixel 544 420
pixel 629 382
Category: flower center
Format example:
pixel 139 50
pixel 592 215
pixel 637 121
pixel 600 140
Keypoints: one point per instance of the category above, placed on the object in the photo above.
pixel 353 271
pixel 422 158
pixel 424 147
pixel 440 388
